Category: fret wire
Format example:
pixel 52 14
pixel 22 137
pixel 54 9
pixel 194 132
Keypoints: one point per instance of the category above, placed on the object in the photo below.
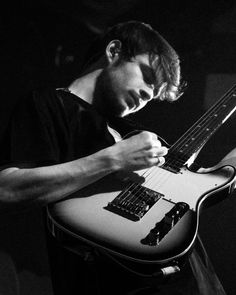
pixel 218 104
pixel 227 97
pixel 202 137
pixel 204 117
pixel 189 148
pixel 198 142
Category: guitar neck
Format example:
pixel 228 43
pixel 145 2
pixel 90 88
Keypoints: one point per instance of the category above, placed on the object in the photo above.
pixel 196 136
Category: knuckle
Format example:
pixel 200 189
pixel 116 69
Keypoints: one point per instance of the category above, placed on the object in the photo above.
pixel 145 135
pixel 148 161
pixel 151 154
pixel 149 139
pixel 148 144
pixel 158 143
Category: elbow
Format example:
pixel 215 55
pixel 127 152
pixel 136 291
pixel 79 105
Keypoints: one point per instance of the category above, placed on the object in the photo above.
pixel 8 199
pixel 8 195
pixel 14 200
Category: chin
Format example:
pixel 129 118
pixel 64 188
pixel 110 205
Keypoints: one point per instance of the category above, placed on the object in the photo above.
pixel 125 113
pixel 120 114
pixel 117 110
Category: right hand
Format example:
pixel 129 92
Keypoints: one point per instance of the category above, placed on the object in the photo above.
pixel 138 152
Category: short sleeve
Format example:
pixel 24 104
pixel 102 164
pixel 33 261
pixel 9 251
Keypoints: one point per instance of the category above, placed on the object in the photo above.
pixel 36 134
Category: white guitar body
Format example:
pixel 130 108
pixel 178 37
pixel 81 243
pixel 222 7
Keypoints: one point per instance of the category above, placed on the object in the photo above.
pixel 84 215
pixel 156 218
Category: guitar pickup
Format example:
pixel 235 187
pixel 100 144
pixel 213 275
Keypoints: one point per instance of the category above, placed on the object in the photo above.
pixel 134 202
pixel 162 228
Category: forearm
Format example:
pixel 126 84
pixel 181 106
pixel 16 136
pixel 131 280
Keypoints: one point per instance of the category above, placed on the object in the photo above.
pixel 39 186
pixel 22 188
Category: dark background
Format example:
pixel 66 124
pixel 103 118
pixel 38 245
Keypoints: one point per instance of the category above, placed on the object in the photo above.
pixel 44 44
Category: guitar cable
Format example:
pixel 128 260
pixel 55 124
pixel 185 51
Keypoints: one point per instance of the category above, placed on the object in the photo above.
pixel 161 273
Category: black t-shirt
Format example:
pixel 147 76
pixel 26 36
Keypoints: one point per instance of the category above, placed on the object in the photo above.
pixel 45 128
pixel 53 127
pixel 48 128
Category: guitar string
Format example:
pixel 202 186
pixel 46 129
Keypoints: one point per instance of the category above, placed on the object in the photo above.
pixel 192 131
pixel 198 136
pixel 202 134
pixel 219 102
pixel 206 115
pixel 187 150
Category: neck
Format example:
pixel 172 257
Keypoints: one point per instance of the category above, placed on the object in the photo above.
pixel 84 87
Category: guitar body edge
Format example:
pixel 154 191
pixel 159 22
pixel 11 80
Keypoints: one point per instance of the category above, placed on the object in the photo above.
pixel 83 217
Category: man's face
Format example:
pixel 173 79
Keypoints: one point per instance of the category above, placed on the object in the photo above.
pixel 127 85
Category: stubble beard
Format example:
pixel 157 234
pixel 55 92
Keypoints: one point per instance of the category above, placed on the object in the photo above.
pixel 106 99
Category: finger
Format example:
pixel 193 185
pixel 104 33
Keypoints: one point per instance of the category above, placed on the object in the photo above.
pixel 154 136
pixel 159 151
pixel 161 161
pixel 156 161
pixel 157 143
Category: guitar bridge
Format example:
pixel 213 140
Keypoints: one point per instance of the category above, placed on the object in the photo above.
pixel 134 202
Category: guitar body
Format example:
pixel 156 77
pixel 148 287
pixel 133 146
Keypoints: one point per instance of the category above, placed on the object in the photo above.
pixel 86 215
pixel 150 216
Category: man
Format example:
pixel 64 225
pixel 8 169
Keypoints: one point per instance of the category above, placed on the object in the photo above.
pixel 62 140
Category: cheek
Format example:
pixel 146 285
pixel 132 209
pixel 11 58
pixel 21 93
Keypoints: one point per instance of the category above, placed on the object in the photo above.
pixel 127 76
pixel 115 80
pixel 124 78
pixel 121 78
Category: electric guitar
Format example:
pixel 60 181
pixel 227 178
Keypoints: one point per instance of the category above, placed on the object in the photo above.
pixel 149 216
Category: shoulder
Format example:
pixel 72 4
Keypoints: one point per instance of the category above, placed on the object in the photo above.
pixel 42 100
pixel 37 96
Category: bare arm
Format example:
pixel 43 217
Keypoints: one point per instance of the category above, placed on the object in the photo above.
pixel 23 188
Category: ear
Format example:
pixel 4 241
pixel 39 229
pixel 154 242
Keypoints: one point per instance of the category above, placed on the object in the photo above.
pixel 113 51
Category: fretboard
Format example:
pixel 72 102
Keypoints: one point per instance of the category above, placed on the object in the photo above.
pixel 196 136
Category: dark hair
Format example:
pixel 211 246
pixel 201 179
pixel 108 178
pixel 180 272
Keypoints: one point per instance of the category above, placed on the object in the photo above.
pixel 140 38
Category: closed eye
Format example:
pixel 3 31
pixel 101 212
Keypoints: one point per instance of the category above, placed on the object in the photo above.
pixel 149 76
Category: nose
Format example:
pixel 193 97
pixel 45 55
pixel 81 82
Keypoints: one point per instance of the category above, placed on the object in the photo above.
pixel 147 93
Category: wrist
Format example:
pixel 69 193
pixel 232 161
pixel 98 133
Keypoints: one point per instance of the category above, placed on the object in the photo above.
pixel 108 156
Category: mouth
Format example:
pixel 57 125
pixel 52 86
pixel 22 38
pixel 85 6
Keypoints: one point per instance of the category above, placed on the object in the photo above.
pixel 135 99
